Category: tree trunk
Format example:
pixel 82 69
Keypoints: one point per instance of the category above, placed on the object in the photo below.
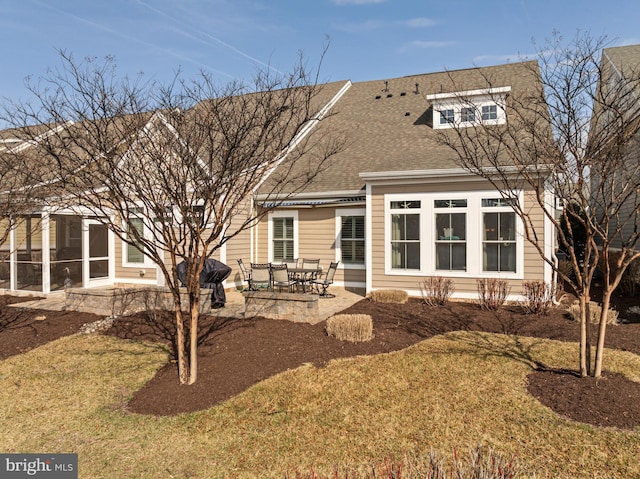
pixel 183 366
pixel 606 300
pixel 584 334
pixel 194 300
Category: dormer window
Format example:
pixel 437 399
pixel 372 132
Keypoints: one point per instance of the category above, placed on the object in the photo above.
pixel 467 114
pixel 489 112
pixel 446 116
pixel 468 108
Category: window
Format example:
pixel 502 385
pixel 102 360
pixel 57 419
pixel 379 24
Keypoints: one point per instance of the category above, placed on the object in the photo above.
pixel 135 255
pixel 352 239
pixel 405 241
pixel 405 236
pixel 489 112
pixel 467 114
pixel 499 241
pixel 451 236
pixel 283 241
pixel 446 116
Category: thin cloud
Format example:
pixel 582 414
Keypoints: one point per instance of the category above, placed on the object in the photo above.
pixel 425 44
pixel 130 38
pixel 420 22
pixel 210 37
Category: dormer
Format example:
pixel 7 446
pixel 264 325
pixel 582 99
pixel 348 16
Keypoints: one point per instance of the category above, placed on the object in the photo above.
pixel 468 108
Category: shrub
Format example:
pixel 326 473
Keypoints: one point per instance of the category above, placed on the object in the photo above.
pixel 594 309
pixel 436 290
pixel 350 327
pixel 492 293
pixel 565 267
pixel 538 297
pixel 395 296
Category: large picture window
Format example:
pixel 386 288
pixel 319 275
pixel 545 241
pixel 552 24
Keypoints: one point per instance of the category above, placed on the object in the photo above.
pixel 463 234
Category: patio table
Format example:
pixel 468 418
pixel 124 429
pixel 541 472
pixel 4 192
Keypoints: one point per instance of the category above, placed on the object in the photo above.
pixel 304 276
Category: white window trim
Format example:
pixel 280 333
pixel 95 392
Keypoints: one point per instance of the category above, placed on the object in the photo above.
pixel 473 211
pixel 296 240
pixel 147 262
pixel 338 249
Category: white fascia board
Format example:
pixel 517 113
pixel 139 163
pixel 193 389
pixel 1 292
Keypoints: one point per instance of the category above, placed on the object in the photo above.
pixel 469 93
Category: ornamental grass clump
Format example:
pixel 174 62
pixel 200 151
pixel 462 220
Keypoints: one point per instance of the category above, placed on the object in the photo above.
pixel 594 312
pixel 492 293
pixel 395 296
pixel 436 290
pixel 538 296
pixel 354 328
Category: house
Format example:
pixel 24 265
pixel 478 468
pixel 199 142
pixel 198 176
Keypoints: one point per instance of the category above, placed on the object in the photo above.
pixel 614 147
pixel 393 208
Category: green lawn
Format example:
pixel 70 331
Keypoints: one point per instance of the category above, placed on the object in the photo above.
pixel 447 392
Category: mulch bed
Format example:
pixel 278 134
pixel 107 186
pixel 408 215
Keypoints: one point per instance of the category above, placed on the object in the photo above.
pixel 234 354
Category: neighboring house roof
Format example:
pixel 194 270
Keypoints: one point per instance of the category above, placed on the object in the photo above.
pixel 387 123
pixel 625 59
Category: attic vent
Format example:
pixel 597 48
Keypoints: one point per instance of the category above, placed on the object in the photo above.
pixel 378 97
pixel 404 93
pixel 407 114
pixel 389 95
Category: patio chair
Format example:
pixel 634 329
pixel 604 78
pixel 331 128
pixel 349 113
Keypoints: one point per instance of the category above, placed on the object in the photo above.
pixel 246 274
pixel 325 282
pixel 310 263
pixel 280 277
pixel 260 276
pixel 291 263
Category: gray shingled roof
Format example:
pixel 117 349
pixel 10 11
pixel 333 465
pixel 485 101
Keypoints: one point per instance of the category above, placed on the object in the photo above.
pixel 387 122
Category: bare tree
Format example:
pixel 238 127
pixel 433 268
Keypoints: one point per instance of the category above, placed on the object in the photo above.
pixel 573 136
pixel 19 192
pixel 172 169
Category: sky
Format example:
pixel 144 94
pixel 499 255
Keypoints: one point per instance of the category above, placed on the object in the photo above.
pixel 232 39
